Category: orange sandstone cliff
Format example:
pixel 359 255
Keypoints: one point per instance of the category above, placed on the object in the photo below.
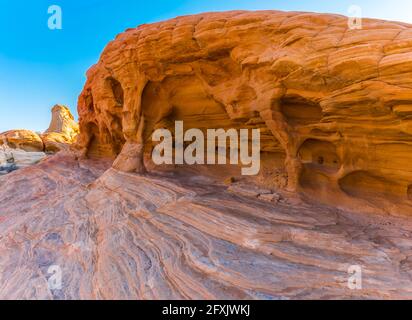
pixel 334 104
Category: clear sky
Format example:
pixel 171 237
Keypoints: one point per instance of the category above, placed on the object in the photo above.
pixel 40 67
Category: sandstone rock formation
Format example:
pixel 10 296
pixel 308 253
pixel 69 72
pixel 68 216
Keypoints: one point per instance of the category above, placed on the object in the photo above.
pixel 334 107
pixel 63 122
pixel 333 104
pixel 62 132
pixel 54 142
pixel 22 139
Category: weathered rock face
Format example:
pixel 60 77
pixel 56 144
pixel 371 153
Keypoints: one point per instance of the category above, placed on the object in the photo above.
pixel 335 104
pixel 62 131
pixel 22 139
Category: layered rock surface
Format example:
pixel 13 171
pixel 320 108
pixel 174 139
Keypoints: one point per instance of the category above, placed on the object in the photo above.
pixel 334 104
pixel 116 235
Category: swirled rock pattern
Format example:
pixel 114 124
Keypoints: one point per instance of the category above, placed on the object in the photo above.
pixel 116 235
pixel 334 104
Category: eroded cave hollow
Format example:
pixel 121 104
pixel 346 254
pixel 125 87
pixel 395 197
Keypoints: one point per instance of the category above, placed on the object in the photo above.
pixel 338 117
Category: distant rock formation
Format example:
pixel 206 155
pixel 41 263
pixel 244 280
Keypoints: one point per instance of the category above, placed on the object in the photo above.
pixel 22 139
pixel 61 133
pixel 63 122
pixel 334 104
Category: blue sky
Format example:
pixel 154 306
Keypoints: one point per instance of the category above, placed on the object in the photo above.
pixel 40 67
